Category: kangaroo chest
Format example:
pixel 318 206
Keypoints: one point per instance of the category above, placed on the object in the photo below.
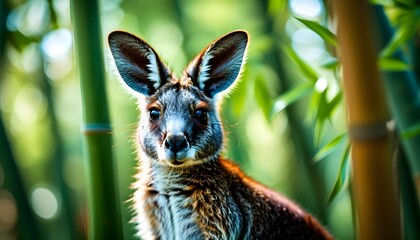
pixel 170 209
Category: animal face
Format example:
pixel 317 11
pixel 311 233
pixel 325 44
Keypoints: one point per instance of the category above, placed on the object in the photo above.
pixel 179 124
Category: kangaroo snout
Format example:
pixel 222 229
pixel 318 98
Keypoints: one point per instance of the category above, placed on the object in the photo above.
pixel 176 148
pixel 176 142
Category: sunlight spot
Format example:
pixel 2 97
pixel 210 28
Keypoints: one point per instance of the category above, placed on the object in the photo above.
pixel 306 8
pixel 279 106
pixel 44 202
pixel 57 44
pixel 321 84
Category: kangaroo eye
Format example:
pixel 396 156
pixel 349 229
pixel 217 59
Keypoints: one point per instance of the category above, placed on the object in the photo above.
pixel 201 115
pixel 154 114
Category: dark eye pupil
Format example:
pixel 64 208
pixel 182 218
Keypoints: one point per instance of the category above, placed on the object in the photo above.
pixel 154 114
pixel 201 116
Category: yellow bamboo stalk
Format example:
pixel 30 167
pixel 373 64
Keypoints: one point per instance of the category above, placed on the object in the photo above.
pixel 374 182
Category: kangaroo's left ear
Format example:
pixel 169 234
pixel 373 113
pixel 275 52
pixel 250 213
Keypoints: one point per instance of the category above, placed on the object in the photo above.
pixel 219 65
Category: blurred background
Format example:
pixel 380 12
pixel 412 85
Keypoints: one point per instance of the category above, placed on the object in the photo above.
pixel 285 120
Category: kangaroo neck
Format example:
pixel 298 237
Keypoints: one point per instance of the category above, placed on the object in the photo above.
pixel 178 180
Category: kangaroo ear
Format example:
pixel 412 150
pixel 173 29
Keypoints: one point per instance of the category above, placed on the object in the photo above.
pixel 137 63
pixel 219 65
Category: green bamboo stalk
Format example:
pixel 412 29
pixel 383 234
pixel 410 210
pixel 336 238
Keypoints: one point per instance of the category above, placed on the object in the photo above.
pixel 410 206
pixel 4 12
pixel 415 46
pixel 373 176
pixel 103 201
pixel 402 90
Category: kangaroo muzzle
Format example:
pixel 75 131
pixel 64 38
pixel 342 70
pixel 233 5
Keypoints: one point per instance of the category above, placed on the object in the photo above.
pixel 176 147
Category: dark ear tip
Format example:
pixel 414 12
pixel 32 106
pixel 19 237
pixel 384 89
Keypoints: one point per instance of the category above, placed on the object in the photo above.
pixel 116 35
pixel 113 36
pixel 241 32
pixel 238 36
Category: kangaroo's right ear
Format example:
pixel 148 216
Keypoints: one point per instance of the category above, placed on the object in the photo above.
pixel 137 63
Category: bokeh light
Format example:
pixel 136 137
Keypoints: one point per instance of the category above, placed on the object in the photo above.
pixel 30 18
pixel 306 8
pixel 44 202
pixel 8 212
pixel 57 44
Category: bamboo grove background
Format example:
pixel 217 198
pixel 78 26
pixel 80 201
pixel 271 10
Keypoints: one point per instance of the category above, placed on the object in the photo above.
pixel 320 75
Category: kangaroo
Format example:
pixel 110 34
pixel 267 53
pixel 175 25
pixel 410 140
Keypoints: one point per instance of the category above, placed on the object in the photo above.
pixel 185 188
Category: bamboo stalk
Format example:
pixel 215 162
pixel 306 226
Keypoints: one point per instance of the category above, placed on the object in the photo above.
pixel 103 201
pixel 410 202
pixel 402 90
pixel 373 177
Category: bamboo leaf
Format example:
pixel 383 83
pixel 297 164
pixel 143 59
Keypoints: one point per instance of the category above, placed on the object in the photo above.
pixel 404 4
pixel 342 176
pixel 290 97
pixel 322 31
pixel 330 147
pixel 304 67
pixel 405 32
pixel 333 103
pixel 392 64
pixel 323 111
pixel 411 132
pixel 331 64
pixel 387 3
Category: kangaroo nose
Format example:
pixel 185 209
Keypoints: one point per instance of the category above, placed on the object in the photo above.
pixel 176 142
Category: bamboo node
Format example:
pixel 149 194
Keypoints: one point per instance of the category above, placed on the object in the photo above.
pixel 369 131
pixel 96 128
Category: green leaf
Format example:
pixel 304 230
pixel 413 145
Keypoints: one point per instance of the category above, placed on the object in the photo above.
pixel 404 4
pixel 387 3
pixel 333 103
pixel 305 68
pixel 412 131
pixel 323 110
pixel 392 64
pixel 330 147
pixel 322 31
pixel 331 64
pixel 290 97
pixel 405 32
pixel 342 175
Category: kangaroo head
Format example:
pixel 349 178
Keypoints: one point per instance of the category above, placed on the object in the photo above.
pixel 179 124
